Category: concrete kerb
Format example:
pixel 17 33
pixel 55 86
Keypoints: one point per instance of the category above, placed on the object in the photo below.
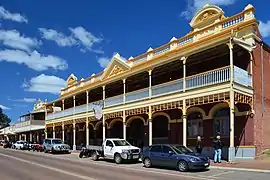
pixel 240 169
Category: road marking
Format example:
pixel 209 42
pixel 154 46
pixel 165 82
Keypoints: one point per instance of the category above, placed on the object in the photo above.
pixel 50 168
pixel 223 173
pixel 107 165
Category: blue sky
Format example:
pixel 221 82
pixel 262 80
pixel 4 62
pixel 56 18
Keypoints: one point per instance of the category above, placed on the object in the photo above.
pixel 43 42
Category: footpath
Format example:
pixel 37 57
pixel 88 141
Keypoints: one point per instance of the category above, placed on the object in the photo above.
pixel 245 165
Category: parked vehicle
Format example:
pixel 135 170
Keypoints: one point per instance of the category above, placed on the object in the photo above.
pixel 2 142
pixel 85 152
pixel 55 145
pixel 173 156
pixel 116 149
pixel 19 145
pixel 7 144
pixel 34 147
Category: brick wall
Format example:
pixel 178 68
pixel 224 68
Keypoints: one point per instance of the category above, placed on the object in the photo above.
pixel 261 107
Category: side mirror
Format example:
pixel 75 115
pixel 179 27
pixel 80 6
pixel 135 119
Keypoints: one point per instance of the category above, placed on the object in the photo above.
pixel 171 152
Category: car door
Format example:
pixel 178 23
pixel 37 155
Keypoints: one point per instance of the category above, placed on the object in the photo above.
pixel 48 144
pixel 108 149
pixel 169 157
pixel 155 155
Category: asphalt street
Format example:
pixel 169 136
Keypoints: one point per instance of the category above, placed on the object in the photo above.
pixel 24 165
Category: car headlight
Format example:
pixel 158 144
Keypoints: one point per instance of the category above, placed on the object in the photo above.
pixel 125 151
pixel 193 159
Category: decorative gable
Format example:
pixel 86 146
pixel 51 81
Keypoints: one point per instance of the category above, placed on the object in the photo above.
pixel 72 79
pixel 115 71
pixel 206 16
pixel 116 66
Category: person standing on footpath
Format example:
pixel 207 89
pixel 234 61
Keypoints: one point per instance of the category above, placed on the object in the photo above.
pixel 199 145
pixel 217 145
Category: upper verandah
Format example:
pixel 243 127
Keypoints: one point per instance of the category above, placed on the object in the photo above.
pixel 210 20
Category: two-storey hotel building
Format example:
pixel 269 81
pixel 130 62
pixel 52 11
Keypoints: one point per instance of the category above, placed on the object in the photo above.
pixel 213 80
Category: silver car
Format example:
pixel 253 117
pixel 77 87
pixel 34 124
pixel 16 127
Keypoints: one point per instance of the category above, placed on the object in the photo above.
pixel 55 145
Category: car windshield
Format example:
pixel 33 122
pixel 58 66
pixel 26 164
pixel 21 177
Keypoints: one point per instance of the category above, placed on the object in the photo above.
pixel 56 141
pixel 121 143
pixel 182 149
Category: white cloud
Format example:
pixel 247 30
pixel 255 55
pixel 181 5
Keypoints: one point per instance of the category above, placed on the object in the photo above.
pixel 60 38
pixel 45 83
pixel 27 100
pixel 6 15
pixel 13 39
pixel 79 37
pixel 87 39
pixel 103 61
pixel 194 5
pixel 264 29
pixel 33 60
pixel 4 107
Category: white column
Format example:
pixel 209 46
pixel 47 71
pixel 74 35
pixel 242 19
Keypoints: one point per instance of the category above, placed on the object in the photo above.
pixel 87 132
pixel 38 137
pixel 150 126
pixel 74 135
pixel 231 95
pixel 74 104
pixel 46 135
pixel 184 59
pixel 53 131
pixel 103 116
pixel 103 128
pixel 124 87
pixel 124 125
pixel 87 100
pixel 150 84
pixel 251 68
pixel 184 123
pixel 30 137
pixel 63 132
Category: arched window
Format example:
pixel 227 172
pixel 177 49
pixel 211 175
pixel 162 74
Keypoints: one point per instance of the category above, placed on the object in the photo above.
pixel 222 122
pixel 195 124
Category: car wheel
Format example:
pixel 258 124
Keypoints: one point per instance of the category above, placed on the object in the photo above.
pixel 118 159
pixel 182 166
pixel 94 156
pixel 52 151
pixel 147 162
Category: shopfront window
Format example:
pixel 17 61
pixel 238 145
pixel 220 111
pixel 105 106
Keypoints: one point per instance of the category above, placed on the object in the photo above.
pixel 195 124
pixel 222 122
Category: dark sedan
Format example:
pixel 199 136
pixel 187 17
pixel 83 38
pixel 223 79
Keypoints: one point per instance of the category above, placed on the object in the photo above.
pixel 172 156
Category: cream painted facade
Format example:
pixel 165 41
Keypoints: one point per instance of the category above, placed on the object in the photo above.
pixel 222 87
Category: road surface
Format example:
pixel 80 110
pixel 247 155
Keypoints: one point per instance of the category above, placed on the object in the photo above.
pixel 24 165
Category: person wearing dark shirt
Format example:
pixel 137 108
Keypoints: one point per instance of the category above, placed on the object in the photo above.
pixel 217 146
pixel 199 145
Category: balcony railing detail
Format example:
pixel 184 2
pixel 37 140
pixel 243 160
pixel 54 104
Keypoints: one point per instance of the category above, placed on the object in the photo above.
pixel 233 21
pixel 137 95
pixel 212 77
pixel 242 77
pixel 114 101
pixel 208 78
pixel 80 109
pixel 171 87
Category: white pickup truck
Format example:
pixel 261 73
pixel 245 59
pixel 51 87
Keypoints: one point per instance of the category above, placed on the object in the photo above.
pixel 116 149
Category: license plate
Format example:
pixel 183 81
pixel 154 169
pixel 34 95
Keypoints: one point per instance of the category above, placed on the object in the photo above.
pixel 136 156
pixel 206 164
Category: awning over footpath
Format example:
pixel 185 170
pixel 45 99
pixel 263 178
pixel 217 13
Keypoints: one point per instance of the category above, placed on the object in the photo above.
pixel 29 128
pixel 7 132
